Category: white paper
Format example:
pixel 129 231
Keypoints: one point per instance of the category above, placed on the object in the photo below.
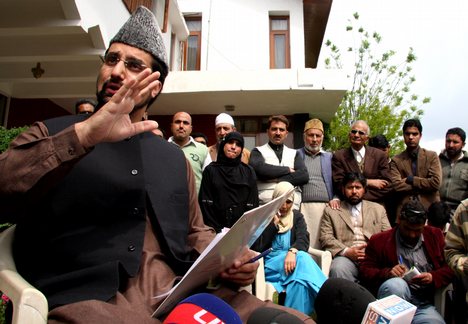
pixel 221 253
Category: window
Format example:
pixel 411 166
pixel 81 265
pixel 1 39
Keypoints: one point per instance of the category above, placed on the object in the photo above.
pixel 279 42
pixel 193 44
pixel 132 5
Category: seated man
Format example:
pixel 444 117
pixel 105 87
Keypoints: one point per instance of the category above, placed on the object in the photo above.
pixel 390 254
pixel 345 231
pixel 456 254
pixel 106 212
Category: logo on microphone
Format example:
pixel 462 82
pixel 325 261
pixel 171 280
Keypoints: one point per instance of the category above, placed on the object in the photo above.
pixel 204 317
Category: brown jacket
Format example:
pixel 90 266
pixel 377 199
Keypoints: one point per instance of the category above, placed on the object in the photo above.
pixel 426 183
pixel 375 167
pixel 337 229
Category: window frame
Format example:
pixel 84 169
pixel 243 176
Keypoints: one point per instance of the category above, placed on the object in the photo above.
pixel 198 34
pixel 286 34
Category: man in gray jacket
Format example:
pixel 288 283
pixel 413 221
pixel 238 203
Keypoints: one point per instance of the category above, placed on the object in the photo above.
pixel 454 163
pixel 318 192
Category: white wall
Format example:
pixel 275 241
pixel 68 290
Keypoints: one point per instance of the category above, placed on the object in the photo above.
pixel 236 34
pixel 110 15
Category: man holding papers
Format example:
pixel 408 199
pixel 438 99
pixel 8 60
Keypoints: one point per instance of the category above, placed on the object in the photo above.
pixel 106 212
pixel 409 246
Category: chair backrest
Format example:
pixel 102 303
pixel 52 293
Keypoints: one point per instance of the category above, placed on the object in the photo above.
pixel 29 304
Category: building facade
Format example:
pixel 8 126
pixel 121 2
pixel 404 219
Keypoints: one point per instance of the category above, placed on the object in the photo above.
pixel 251 59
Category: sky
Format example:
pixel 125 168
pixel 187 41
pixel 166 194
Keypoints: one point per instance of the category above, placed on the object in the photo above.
pixel 438 33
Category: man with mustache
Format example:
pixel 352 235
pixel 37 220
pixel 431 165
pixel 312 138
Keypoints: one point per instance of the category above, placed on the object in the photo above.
pixel 196 153
pixel 372 163
pixel 409 245
pixel 274 162
pixel 318 192
pixel 415 172
pixel 345 231
pixel 106 213
pixel 454 163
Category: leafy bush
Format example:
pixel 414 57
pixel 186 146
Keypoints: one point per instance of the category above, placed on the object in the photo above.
pixel 7 135
pixel 3 304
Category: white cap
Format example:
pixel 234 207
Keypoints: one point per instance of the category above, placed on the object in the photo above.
pixel 224 118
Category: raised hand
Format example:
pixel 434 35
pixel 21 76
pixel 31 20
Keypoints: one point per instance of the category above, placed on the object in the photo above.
pixel 112 123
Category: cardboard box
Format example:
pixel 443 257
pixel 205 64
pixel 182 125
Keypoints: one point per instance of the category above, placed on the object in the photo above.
pixel 389 310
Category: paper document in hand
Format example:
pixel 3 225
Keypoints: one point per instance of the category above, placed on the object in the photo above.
pixel 411 273
pixel 220 254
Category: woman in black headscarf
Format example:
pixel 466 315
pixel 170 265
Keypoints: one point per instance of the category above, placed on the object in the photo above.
pixel 228 187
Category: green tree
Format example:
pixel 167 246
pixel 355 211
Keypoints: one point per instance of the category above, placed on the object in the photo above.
pixel 380 92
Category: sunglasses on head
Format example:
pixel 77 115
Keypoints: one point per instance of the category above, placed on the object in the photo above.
pixel 412 212
pixel 355 131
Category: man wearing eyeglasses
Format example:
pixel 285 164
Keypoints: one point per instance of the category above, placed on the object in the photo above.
pixel 416 172
pixel 410 245
pixel 372 163
pixel 106 212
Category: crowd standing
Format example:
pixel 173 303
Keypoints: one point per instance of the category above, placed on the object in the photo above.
pixel 116 213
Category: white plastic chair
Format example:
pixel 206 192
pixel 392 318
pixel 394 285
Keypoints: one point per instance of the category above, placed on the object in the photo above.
pixel 265 290
pixel 29 304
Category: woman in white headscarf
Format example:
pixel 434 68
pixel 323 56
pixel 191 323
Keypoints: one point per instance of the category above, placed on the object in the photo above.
pixel 289 267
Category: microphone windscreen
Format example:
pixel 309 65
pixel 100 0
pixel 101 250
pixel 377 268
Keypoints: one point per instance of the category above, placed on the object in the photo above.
pixel 342 301
pixel 268 315
pixel 203 308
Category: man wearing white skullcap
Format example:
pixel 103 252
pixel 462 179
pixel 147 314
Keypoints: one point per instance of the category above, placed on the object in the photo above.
pixel 106 212
pixel 224 124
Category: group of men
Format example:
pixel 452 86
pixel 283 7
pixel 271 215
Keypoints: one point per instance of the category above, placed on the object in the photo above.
pixel 358 234
pixel 107 214
pixel 351 195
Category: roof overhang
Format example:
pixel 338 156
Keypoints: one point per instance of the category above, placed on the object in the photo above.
pixel 268 92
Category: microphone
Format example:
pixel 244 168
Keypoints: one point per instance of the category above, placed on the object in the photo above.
pixel 203 308
pixel 268 315
pixel 342 301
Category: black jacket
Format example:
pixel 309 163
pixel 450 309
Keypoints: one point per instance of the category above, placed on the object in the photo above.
pixel 299 235
pixel 87 232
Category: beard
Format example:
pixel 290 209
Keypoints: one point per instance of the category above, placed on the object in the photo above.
pixel 353 200
pixel 452 153
pixel 313 148
pixel 103 98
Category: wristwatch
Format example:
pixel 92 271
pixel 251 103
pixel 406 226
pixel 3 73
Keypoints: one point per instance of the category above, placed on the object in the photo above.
pixel 293 250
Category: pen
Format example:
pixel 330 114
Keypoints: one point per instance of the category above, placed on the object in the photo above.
pixel 400 258
pixel 261 255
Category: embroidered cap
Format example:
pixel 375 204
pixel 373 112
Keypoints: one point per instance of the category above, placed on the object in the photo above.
pixel 313 123
pixel 142 31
